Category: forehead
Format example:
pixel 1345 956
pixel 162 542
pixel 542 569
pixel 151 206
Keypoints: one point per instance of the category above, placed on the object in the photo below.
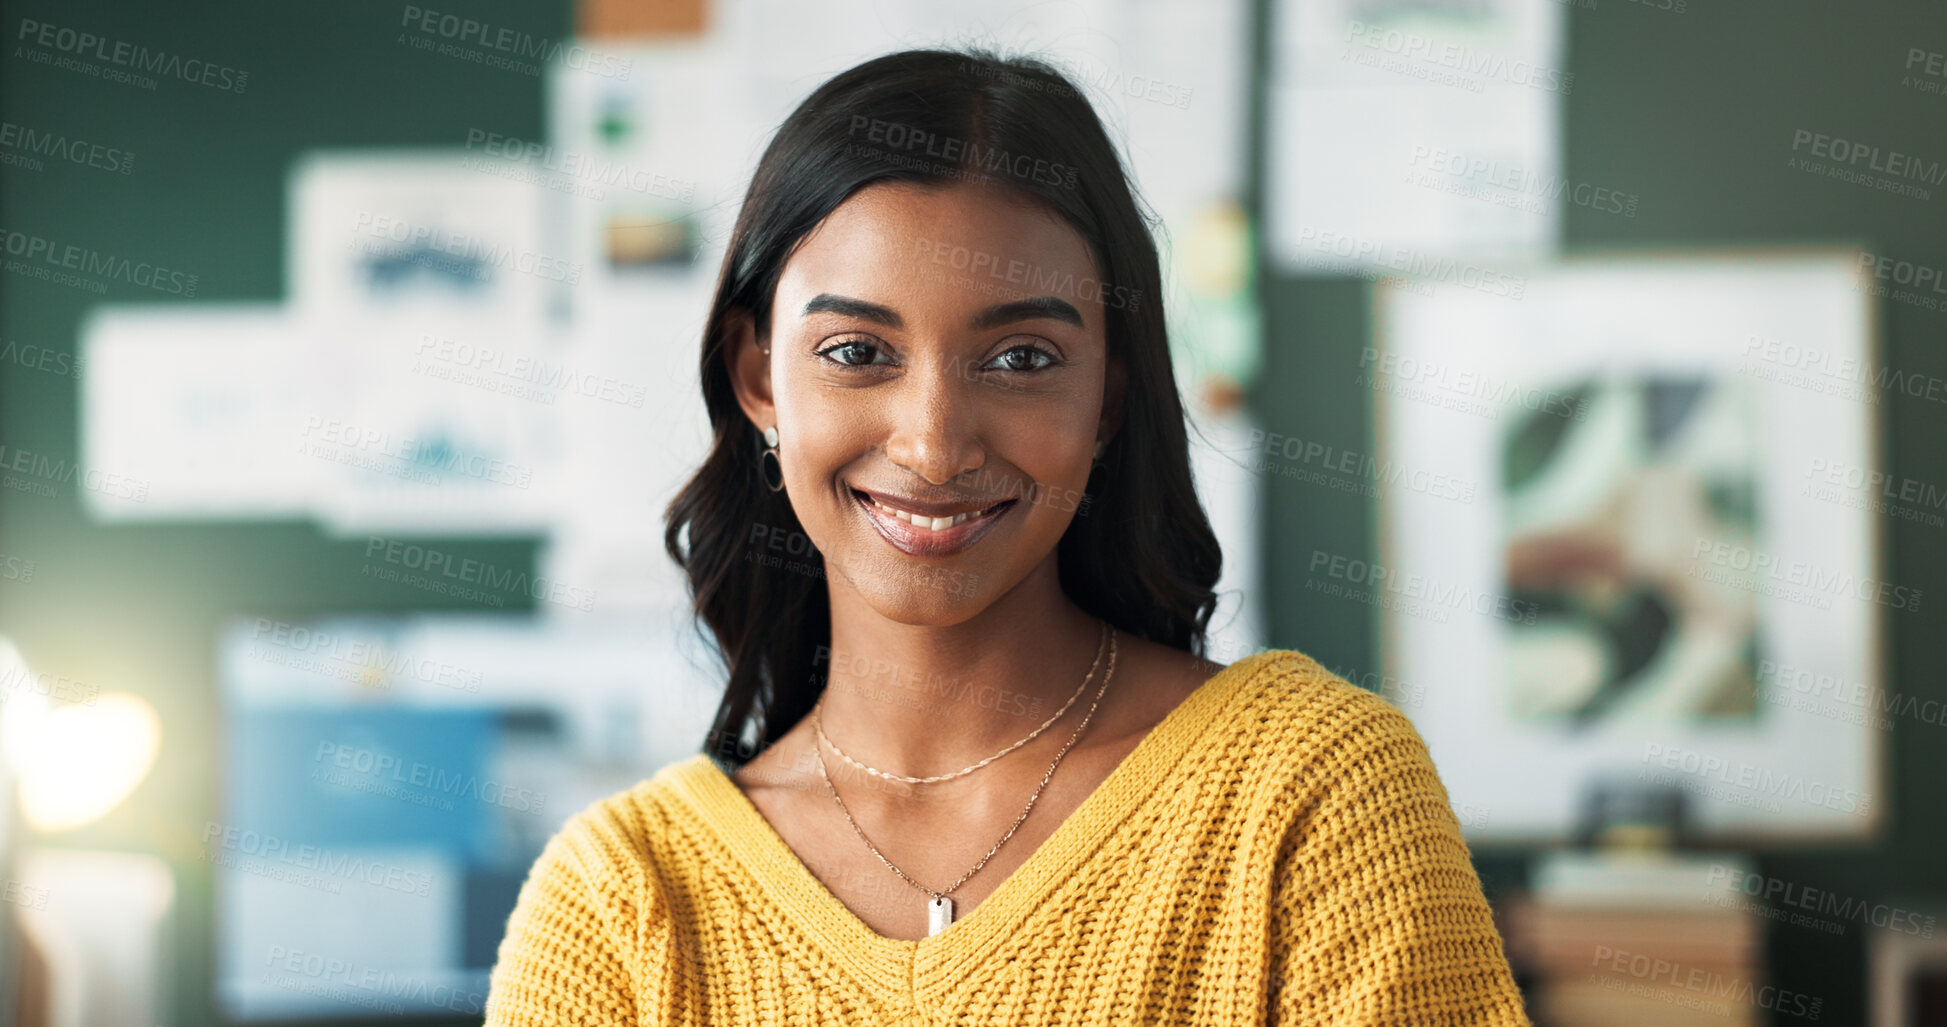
pixel 947 248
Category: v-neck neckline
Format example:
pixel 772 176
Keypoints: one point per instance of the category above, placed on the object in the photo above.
pixel 893 963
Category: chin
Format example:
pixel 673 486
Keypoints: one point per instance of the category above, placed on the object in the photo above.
pixel 928 596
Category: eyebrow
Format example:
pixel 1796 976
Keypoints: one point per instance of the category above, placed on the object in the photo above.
pixel 992 317
pixel 849 307
pixel 1027 310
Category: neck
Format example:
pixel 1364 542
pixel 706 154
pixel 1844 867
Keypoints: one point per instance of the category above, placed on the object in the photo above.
pixel 923 700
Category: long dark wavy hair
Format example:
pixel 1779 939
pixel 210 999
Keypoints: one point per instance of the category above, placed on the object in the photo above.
pixel 1139 553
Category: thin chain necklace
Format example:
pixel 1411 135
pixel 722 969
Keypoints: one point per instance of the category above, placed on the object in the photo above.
pixel 818 725
pixel 939 908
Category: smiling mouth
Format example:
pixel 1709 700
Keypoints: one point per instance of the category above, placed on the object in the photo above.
pixel 930 523
pixel 920 535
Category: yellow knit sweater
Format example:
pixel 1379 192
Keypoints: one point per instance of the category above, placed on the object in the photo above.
pixel 1278 850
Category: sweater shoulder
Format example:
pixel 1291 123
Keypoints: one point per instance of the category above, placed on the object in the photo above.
pixel 1290 700
pixel 615 837
pixel 1313 738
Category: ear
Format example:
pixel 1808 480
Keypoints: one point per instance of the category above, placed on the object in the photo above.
pixel 747 359
pixel 1114 391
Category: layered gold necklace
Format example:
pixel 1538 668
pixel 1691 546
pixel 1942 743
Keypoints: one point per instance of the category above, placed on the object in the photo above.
pixel 939 908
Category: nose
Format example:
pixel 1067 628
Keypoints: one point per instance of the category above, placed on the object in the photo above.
pixel 934 430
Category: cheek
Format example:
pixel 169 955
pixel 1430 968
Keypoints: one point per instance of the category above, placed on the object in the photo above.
pixel 1057 464
pixel 817 434
pixel 1054 446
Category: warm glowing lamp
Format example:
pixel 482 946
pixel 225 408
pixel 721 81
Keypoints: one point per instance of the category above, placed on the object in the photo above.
pixel 75 761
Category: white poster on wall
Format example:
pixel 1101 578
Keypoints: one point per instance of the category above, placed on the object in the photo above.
pixel 426 293
pixel 190 412
pixel 1413 139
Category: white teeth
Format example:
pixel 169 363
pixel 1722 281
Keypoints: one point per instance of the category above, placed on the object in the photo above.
pixel 921 521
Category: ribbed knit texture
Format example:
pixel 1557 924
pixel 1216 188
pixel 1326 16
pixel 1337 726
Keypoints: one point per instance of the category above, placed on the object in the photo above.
pixel 1278 850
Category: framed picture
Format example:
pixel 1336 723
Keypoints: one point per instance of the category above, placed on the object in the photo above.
pixel 1632 537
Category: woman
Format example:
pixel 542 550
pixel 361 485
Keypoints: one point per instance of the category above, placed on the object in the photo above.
pixel 950 481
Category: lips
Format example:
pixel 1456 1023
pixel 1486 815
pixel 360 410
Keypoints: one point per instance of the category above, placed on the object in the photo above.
pixel 956 532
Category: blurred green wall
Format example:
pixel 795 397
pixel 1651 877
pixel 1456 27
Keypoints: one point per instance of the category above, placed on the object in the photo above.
pixel 138 607
pixel 1693 111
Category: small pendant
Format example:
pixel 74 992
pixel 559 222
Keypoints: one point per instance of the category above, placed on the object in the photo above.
pixel 939 913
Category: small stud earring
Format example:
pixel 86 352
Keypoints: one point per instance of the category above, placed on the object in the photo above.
pixel 1099 447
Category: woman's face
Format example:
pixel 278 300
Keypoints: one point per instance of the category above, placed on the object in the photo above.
pixel 939 350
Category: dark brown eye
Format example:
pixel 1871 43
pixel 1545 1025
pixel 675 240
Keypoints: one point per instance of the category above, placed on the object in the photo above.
pixel 1022 359
pixel 850 352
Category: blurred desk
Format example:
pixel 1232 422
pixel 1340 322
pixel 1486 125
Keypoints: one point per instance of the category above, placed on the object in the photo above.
pixel 1621 942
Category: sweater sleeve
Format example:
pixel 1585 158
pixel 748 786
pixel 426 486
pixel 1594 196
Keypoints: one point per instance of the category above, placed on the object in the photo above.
pixel 567 955
pixel 1379 917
